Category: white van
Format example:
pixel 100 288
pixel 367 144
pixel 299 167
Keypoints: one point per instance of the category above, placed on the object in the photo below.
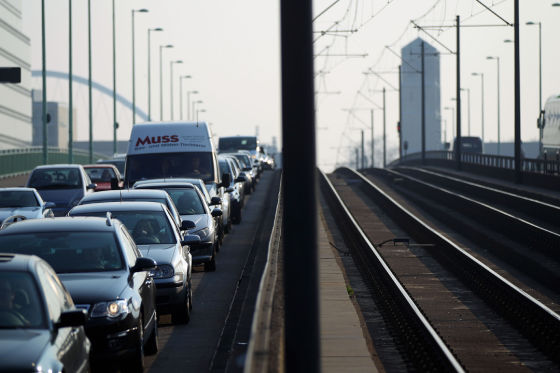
pixel 159 150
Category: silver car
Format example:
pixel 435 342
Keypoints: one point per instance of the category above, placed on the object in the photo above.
pixel 25 203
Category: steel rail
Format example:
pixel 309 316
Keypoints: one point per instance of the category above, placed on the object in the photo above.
pixel 429 348
pixel 531 317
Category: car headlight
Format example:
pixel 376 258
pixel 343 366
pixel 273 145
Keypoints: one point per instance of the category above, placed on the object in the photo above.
pixel 202 233
pixel 163 271
pixel 112 309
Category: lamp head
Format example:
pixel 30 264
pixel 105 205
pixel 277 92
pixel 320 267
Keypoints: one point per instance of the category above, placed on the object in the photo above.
pixel 143 10
pixel 508 41
pixel 157 29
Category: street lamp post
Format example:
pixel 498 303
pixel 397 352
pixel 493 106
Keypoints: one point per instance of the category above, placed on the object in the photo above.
pixel 194 104
pixel 171 85
pixel 181 93
pixel 452 118
pixel 90 97
pixel 189 103
pixel 530 23
pixel 44 73
pixel 133 66
pixel 468 108
pixel 481 104
pixel 199 111
pixel 150 71
pixel 161 47
pixel 114 82
pixel 498 92
pixel 70 101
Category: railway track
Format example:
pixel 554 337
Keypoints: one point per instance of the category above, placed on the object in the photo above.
pixel 525 247
pixel 483 320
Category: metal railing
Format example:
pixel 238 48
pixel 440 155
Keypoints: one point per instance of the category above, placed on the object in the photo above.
pixel 528 165
pixel 19 161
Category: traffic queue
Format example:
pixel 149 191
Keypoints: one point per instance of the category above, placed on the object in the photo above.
pixel 89 259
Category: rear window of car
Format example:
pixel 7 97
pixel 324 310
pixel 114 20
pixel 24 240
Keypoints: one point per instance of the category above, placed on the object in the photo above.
pixel 103 174
pixel 68 252
pixel 55 178
pixel 187 201
pixel 18 198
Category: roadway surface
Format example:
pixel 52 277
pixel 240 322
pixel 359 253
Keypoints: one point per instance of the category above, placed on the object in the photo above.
pixel 213 332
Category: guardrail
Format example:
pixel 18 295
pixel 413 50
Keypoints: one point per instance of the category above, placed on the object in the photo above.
pixel 19 161
pixel 259 350
pixel 531 165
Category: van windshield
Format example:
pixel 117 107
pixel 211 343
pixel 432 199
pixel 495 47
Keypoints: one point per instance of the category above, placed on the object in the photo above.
pixel 237 143
pixel 197 165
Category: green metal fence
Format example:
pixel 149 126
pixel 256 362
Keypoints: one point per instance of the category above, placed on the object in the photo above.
pixel 19 161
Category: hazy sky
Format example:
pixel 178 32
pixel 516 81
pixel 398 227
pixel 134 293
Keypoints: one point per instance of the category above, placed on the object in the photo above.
pixel 231 48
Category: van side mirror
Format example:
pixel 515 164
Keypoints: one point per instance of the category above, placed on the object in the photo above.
pixel 187 224
pixel 226 180
pixel 215 201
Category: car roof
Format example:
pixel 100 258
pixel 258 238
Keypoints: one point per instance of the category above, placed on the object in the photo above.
pixel 99 165
pixel 188 183
pixel 126 193
pixel 61 224
pixel 59 166
pixel 18 189
pixel 119 206
pixel 17 262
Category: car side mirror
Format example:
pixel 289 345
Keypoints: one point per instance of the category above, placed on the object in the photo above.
pixel 115 183
pixel 144 264
pixel 215 201
pixel 49 205
pixel 229 190
pixel 241 179
pixel 187 224
pixel 216 212
pixel 72 318
pixel 247 168
pixel 226 180
pixel 190 239
pixel 92 186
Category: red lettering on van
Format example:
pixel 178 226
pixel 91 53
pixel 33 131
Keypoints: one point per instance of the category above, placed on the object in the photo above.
pixel 143 142
pixel 174 138
pixel 157 140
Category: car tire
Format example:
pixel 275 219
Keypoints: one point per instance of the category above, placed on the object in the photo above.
pixel 181 314
pixel 152 346
pixel 211 265
pixel 136 362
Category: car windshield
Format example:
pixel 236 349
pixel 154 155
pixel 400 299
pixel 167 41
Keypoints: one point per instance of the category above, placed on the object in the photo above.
pixel 244 159
pixel 237 143
pixel 20 304
pixel 55 178
pixel 118 163
pixel 197 165
pixel 103 174
pixel 187 201
pixel 68 252
pixel 146 227
pixel 19 198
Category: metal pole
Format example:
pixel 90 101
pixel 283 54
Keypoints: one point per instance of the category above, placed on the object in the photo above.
pixel 469 109
pixel 70 101
pixel 44 76
pixel 133 77
pixel 482 107
pixel 171 89
pixel 160 82
pixel 188 105
pixel 400 112
pixel 89 87
pixel 149 76
pixel 540 88
pixel 517 80
pixel 499 137
pixel 181 97
pixel 458 140
pixel 301 311
pixel 362 158
pixel 114 84
pixel 423 106
pixel 357 151
pixel 372 143
pixel 384 131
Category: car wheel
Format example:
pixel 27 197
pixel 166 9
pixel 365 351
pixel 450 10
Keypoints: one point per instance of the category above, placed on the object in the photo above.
pixel 181 314
pixel 136 362
pixel 211 265
pixel 152 346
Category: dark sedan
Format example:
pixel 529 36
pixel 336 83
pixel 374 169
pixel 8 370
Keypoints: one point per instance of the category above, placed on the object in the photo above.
pixel 98 262
pixel 40 329
pixel 156 235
